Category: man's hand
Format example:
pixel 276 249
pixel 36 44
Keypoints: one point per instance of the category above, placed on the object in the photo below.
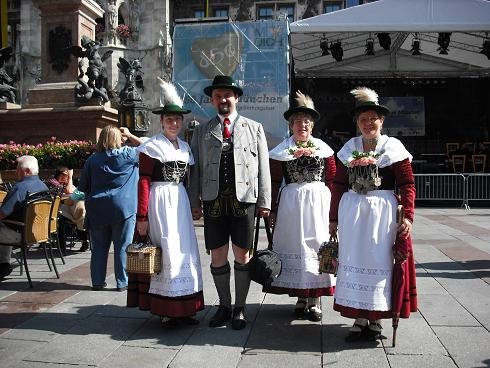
pixel 263 212
pixel 196 213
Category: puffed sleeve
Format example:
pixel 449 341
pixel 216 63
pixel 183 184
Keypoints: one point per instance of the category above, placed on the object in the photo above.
pixel 406 184
pixel 339 187
pixel 144 183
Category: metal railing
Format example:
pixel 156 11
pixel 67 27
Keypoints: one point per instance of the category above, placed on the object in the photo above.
pixel 453 187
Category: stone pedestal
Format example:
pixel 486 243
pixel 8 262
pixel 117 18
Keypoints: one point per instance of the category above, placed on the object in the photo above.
pixel 51 109
pixel 76 17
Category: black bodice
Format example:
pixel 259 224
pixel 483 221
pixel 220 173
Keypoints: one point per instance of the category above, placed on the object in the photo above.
pixel 304 169
pixel 169 171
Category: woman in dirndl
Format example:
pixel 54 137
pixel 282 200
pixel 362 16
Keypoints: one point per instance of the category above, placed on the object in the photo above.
pixel 364 210
pixel 175 294
pixel 301 224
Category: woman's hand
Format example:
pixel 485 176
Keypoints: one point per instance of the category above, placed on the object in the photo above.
pixel 333 228
pixel 196 213
pixel 263 212
pixel 142 227
pixel 404 228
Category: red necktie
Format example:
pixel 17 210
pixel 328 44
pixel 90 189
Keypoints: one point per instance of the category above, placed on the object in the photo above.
pixel 226 130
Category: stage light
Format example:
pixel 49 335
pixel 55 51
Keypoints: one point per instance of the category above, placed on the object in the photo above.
pixel 336 50
pixel 384 40
pixel 324 46
pixel 416 45
pixel 443 41
pixel 485 50
pixel 369 47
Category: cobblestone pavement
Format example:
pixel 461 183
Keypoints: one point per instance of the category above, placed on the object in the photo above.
pixel 62 323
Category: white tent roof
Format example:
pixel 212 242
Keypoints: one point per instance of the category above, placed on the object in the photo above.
pixel 402 15
pixel 468 21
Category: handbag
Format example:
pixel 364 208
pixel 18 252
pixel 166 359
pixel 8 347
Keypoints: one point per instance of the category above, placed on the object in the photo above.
pixel 143 258
pixel 328 255
pixel 265 265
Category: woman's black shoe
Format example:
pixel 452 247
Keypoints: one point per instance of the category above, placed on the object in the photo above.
pixel 168 322
pixel 356 335
pixel 189 321
pixel 99 287
pixel 222 315
pixel 314 313
pixel 300 310
pixel 84 246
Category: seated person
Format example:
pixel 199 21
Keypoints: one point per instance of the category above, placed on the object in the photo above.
pixel 73 207
pixel 29 182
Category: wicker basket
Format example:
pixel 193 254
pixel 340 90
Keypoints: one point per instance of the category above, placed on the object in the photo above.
pixel 143 259
pixel 328 256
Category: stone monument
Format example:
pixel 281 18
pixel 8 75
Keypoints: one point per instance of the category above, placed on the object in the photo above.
pixel 52 109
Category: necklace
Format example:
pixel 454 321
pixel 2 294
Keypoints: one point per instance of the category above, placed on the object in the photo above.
pixel 370 141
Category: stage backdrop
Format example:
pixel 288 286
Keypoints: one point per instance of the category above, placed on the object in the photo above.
pixel 407 117
pixel 254 53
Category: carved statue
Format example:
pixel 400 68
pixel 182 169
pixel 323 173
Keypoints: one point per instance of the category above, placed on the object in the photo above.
pixel 112 20
pixel 97 84
pixel 7 91
pixel 132 72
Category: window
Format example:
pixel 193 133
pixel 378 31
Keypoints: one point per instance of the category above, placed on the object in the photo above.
pixel 265 12
pixel 271 10
pixel 220 12
pixel 199 13
pixel 287 9
pixel 350 3
pixel 331 6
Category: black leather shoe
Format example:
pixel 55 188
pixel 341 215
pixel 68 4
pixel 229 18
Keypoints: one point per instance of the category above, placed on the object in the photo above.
pixel 84 246
pixel 238 321
pixel 300 309
pixel 5 269
pixel 99 287
pixel 169 323
pixel 124 288
pixel 356 335
pixel 314 313
pixel 222 315
pixel 189 321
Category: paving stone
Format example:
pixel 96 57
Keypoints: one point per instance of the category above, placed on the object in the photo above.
pixel 417 361
pixel 130 356
pixel 88 342
pixel 13 351
pixel 444 310
pixel 274 360
pixel 468 346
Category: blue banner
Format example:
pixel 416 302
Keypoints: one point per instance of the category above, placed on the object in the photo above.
pixel 255 54
pixel 406 118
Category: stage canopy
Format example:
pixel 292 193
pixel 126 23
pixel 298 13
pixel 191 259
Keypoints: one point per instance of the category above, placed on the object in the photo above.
pixel 453 38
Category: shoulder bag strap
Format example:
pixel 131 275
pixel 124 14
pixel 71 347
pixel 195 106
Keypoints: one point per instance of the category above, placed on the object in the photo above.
pixel 267 231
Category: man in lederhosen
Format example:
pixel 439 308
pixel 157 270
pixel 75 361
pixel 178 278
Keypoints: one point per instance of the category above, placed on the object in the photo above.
pixel 231 177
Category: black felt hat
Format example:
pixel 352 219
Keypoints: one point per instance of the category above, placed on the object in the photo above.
pixel 225 82
pixel 305 105
pixel 367 99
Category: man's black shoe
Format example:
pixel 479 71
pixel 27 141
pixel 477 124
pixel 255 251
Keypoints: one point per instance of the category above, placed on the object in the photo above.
pixel 5 269
pixel 222 315
pixel 238 321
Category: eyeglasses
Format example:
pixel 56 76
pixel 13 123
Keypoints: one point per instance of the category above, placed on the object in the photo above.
pixel 305 121
pixel 369 120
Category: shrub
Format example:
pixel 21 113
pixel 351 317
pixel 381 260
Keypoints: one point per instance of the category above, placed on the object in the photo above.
pixel 50 155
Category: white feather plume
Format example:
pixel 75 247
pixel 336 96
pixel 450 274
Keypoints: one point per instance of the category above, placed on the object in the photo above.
pixel 304 100
pixel 170 94
pixel 364 94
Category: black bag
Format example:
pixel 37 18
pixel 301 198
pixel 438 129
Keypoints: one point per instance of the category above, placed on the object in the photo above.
pixel 265 265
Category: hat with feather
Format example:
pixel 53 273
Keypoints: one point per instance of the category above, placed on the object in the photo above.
pixel 367 99
pixel 173 103
pixel 305 105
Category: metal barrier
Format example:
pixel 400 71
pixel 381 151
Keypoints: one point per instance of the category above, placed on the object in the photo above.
pixel 453 187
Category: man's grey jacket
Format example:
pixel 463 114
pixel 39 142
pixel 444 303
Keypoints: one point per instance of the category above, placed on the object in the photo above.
pixel 251 156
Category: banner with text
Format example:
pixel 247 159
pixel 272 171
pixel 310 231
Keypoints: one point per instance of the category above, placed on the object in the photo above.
pixel 255 54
